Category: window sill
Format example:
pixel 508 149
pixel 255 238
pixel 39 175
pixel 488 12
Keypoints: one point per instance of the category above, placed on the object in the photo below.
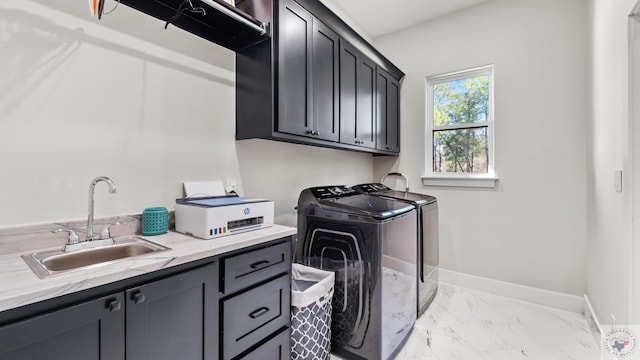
pixel 475 182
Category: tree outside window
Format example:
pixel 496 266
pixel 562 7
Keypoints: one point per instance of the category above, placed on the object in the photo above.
pixel 460 120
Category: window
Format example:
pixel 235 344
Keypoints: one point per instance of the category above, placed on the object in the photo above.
pixel 460 129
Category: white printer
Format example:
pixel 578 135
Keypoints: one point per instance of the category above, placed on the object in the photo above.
pixel 213 217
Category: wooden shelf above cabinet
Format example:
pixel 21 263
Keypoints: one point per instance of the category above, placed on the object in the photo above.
pixel 223 24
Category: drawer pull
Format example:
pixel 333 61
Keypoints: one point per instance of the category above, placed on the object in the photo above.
pixel 259 312
pixel 138 298
pixel 114 305
pixel 258 264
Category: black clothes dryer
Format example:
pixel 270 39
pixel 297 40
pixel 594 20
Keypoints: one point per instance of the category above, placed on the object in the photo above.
pixel 358 236
pixel 427 245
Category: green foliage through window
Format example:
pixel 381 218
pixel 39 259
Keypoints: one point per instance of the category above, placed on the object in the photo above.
pixel 460 125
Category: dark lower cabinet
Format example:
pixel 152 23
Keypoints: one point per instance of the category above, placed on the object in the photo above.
pixel 254 315
pixel 255 307
pixel 172 315
pixel 88 331
pixel 174 318
pixel 168 319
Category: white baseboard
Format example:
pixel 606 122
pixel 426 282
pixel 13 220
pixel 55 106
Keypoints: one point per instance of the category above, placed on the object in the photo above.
pixel 550 298
pixel 592 320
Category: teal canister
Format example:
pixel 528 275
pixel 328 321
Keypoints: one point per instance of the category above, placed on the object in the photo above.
pixel 155 221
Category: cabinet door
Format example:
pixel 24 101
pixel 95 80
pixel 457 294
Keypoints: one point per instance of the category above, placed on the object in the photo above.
pixel 174 318
pixel 91 330
pixel 348 90
pixel 387 112
pixel 325 81
pixel 357 101
pixel 365 126
pixel 393 116
pixel 294 70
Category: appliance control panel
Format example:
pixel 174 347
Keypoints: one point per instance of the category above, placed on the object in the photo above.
pixel 370 188
pixel 327 192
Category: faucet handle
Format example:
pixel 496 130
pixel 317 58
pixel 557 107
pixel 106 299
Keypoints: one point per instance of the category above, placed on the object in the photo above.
pixel 73 237
pixel 106 231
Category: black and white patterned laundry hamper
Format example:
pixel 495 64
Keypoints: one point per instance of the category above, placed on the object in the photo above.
pixel 311 296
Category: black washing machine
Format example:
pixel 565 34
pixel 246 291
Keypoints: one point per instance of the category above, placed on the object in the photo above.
pixel 360 238
pixel 427 245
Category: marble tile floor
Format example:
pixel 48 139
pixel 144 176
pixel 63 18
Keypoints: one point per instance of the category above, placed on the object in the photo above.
pixel 467 324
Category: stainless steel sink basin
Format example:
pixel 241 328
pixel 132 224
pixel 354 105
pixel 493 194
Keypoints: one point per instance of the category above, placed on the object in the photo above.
pixel 51 262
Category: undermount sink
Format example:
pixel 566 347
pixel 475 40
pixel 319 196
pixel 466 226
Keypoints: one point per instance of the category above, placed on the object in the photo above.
pixel 51 262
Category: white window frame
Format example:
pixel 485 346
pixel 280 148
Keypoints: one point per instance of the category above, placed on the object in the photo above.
pixel 431 178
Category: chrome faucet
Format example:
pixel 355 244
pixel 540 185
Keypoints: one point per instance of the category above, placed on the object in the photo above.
pixel 112 190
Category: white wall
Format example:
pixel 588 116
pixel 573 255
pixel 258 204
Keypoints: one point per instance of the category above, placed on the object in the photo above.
pixel 148 107
pixel 333 6
pixel 609 215
pixel 634 108
pixel 531 229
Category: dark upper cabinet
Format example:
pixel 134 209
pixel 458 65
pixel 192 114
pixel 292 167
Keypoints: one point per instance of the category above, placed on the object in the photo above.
pixel 387 112
pixel 89 331
pixel 294 70
pixel 174 318
pixel 313 83
pixel 307 75
pixel 325 71
pixel 357 101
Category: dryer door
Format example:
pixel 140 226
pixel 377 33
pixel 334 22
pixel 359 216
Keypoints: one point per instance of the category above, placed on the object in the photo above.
pixel 340 251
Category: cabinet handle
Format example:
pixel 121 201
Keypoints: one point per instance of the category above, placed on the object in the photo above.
pixel 259 312
pixel 317 133
pixel 310 132
pixel 138 298
pixel 114 305
pixel 258 264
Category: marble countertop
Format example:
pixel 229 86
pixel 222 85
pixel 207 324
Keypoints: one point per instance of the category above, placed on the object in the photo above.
pixel 20 286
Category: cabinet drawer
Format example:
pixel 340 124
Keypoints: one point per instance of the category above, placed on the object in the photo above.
pixel 278 348
pixel 249 268
pixel 254 315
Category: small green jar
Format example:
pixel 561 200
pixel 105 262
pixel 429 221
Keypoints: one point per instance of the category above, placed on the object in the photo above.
pixel 155 221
